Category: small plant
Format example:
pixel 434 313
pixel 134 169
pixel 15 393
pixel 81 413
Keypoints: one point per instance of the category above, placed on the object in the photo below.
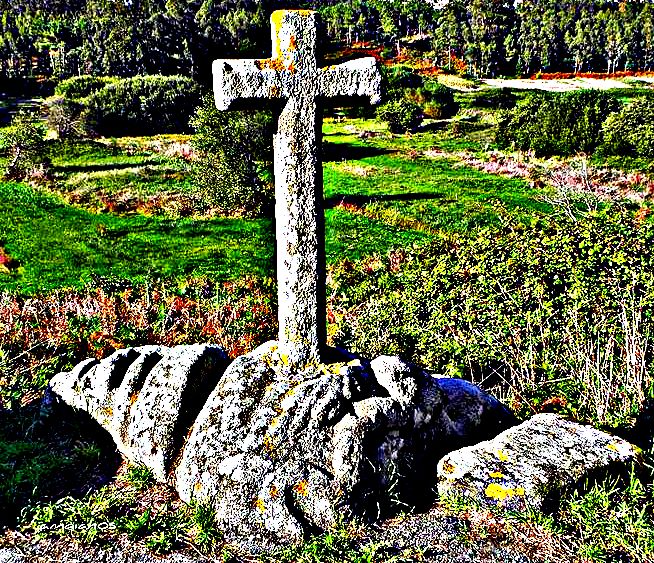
pixel 203 532
pixel 64 117
pixel 338 545
pixel 24 144
pixel 612 519
pixel 138 477
pixel 400 115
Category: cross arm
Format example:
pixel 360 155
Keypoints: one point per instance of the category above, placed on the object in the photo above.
pixel 360 78
pixel 235 80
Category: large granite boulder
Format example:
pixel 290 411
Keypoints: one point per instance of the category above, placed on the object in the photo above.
pixel 532 464
pixel 281 452
pixel 146 398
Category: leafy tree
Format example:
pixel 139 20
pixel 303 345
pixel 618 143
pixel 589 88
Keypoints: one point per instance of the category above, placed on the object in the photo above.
pixel 24 144
pixel 235 152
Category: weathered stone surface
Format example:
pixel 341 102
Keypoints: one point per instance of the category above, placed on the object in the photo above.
pixel 531 464
pixel 11 556
pixel 146 397
pixel 292 75
pixel 280 453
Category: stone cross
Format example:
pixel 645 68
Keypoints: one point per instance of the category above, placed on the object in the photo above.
pixel 292 76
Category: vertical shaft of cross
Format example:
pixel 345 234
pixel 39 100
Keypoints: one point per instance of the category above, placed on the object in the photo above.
pixel 300 232
pixel 292 76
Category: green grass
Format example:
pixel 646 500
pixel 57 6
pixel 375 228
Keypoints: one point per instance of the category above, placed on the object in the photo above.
pixel 58 245
pixel 403 200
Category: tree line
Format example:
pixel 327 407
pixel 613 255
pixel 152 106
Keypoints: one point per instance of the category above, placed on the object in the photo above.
pixel 58 39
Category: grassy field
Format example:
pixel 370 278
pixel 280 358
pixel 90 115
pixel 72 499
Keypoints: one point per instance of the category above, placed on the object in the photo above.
pixel 104 216
pixel 476 263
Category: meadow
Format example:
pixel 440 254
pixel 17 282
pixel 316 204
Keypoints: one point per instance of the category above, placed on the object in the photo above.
pixel 531 276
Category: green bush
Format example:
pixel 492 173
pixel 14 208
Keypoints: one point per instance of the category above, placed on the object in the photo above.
pixel 235 152
pixel 82 86
pixel 400 115
pixel 396 79
pixel 436 100
pixel 630 132
pixel 24 144
pixel 64 116
pixel 143 105
pixel 561 300
pixel 494 98
pixel 561 123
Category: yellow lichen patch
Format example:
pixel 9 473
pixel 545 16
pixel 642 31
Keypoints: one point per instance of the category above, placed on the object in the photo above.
pixel 496 475
pixel 500 492
pixel 613 446
pixel 277 20
pixel 272 64
pixel 197 487
pixel 273 491
pixel 269 445
pixel 284 359
pixel 274 92
pixel 501 455
pixel 260 505
pixel 133 397
pixel 302 488
pixel 448 467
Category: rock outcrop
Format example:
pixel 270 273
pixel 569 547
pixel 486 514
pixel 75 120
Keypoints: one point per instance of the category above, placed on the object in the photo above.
pixel 531 464
pixel 281 452
pixel 146 398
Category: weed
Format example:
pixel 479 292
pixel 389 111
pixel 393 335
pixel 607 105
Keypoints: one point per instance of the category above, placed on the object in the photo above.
pixel 138 477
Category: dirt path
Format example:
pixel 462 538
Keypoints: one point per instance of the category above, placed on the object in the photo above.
pixel 559 85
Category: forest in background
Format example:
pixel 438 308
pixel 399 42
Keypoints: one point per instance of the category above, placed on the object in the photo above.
pixel 56 39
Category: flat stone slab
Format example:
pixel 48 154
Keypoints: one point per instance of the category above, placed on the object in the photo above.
pixel 530 465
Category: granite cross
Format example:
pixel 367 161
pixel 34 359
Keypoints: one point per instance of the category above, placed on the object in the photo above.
pixel 292 76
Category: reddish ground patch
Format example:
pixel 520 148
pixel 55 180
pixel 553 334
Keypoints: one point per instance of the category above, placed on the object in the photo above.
pixel 5 259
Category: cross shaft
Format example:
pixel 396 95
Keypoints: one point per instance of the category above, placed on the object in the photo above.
pixel 292 75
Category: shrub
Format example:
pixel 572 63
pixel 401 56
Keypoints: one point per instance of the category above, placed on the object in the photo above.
pixel 400 115
pixel 24 143
pixel 64 116
pixel 395 79
pixel 436 100
pixel 559 308
pixel 143 105
pixel 560 123
pixel 495 98
pixel 82 86
pixel 630 132
pixel 234 151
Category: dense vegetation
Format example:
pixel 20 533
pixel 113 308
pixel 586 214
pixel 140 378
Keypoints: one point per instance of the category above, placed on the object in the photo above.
pixel 452 239
pixel 61 39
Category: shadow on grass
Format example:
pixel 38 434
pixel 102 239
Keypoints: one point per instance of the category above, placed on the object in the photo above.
pixel 48 452
pixel 362 200
pixel 73 168
pixel 336 152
